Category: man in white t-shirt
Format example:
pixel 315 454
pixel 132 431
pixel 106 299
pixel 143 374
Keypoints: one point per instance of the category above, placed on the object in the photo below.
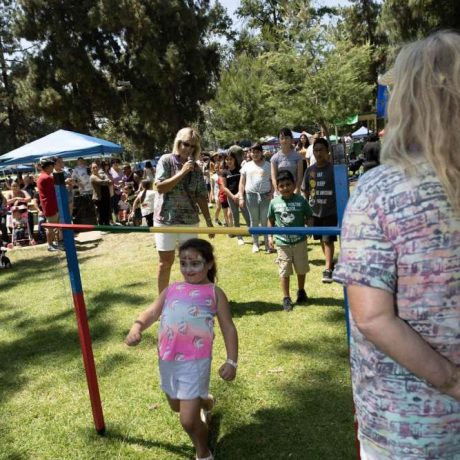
pixel 310 157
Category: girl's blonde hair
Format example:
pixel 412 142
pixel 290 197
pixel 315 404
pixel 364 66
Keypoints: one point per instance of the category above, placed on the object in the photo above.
pixel 188 135
pixel 424 109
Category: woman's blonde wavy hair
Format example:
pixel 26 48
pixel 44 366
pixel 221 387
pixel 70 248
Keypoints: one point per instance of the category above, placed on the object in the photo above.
pixel 424 109
pixel 188 135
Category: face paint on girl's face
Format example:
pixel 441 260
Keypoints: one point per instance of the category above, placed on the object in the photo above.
pixel 193 267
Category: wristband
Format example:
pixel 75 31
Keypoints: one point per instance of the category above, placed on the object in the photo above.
pixel 453 380
pixel 231 362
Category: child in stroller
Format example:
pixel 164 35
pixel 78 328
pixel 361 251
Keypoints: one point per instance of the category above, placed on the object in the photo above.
pixel 20 230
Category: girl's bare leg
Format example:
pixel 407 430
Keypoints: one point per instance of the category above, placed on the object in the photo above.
pixel 191 422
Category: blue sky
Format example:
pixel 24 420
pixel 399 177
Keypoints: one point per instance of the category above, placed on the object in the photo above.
pixel 232 5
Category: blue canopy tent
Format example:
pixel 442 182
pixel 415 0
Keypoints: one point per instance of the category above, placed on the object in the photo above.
pixel 66 144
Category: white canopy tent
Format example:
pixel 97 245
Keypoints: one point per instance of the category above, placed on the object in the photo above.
pixel 361 132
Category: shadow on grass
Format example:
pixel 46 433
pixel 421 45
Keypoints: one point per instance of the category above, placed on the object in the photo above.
pixel 184 450
pixel 301 430
pixel 325 302
pixel 329 349
pixel 302 427
pixel 240 309
pixel 316 262
pixel 335 316
pixel 37 343
pixel 99 303
pixel 41 265
pixel 83 247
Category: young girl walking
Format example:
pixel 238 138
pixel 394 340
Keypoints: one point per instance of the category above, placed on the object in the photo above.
pixel 186 311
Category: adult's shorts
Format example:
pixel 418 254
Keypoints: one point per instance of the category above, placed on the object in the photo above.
pixel 328 221
pixel 169 241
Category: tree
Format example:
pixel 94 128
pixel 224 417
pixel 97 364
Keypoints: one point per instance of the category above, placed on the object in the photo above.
pixel 160 53
pixel 359 25
pixel 309 77
pixel 8 120
pixel 242 108
pixel 407 20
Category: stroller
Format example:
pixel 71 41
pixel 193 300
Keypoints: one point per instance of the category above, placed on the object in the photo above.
pixel 21 234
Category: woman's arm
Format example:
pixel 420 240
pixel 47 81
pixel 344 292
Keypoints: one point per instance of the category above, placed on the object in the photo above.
pixel 145 320
pixel 167 185
pixel 9 198
pixel 202 202
pixel 228 370
pixel 373 311
pixel 136 202
pixel 241 189
pixel 299 177
pixel 274 172
pixel 227 192
pixel 26 197
pixel 271 223
pixel 97 180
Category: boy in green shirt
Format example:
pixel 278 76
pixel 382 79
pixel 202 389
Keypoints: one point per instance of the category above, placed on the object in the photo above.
pixel 290 210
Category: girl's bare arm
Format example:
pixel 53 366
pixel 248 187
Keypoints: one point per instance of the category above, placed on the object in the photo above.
pixel 228 370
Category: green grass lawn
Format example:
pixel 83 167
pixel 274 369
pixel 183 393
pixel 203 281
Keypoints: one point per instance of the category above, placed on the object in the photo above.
pixel 291 399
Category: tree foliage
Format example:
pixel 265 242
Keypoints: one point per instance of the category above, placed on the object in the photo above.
pixel 309 76
pixel 407 20
pixel 359 24
pixel 143 66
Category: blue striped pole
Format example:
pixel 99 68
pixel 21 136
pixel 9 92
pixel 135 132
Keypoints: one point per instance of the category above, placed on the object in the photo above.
pixel 79 304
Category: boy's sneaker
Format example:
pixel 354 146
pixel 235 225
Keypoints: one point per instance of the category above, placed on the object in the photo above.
pixel 287 304
pixel 327 276
pixel 302 297
pixel 52 248
pixel 240 242
pixel 255 248
pixel 217 222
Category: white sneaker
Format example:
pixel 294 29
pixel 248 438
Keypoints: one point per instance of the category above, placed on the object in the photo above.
pixel 240 242
pixel 255 248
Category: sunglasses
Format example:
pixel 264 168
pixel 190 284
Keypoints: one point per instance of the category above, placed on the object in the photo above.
pixel 187 144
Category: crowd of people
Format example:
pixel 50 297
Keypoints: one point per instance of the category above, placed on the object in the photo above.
pixel 102 192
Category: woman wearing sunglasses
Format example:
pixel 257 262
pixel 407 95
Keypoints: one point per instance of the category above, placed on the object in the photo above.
pixel 181 187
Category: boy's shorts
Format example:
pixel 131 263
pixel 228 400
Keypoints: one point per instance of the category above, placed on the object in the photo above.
pixel 328 221
pixel 293 255
pixel 168 241
pixel 185 379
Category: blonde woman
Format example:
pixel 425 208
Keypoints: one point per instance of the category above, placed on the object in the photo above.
pixel 400 259
pixel 180 188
